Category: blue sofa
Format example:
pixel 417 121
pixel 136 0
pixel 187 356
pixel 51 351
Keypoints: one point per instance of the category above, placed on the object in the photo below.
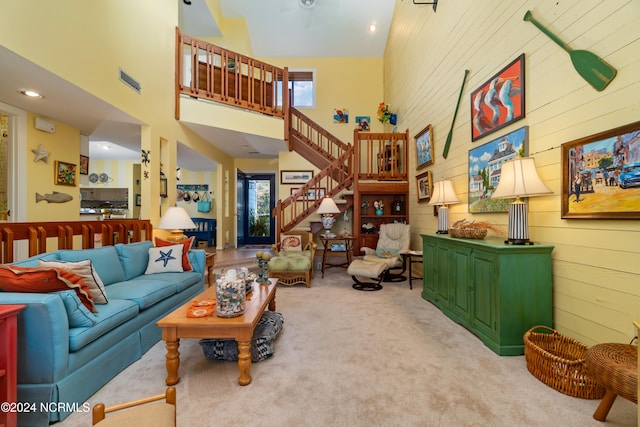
pixel 65 365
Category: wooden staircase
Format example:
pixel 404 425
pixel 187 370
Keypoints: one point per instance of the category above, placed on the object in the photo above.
pixel 227 77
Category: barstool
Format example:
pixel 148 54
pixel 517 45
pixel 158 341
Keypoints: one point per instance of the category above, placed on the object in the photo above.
pixel 615 366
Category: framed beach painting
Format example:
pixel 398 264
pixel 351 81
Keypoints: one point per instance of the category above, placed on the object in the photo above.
pixel 424 147
pixel 601 175
pixel 485 165
pixel 65 173
pixel 295 177
pixel 499 101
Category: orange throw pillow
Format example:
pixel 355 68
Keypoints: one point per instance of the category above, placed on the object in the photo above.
pixel 43 280
pixel 186 245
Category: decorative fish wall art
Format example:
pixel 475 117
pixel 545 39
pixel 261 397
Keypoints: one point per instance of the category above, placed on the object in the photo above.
pixel 54 197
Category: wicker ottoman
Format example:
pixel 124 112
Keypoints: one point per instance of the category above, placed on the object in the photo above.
pixel 615 366
pixel 373 270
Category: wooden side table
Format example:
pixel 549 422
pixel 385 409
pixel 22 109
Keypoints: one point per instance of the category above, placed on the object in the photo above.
pixel 412 257
pixel 209 263
pixel 9 360
pixel 327 242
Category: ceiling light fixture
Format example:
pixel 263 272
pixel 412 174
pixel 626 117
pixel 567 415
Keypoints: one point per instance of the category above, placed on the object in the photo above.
pixel 307 4
pixel 31 94
pixel 372 27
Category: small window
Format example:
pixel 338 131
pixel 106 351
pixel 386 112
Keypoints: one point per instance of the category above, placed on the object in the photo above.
pixel 301 89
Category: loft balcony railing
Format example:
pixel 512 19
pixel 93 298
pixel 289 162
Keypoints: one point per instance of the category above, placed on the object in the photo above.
pixel 381 156
pixel 209 72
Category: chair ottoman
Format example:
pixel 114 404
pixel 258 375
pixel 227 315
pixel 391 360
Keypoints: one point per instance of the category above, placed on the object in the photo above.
pixel 373 270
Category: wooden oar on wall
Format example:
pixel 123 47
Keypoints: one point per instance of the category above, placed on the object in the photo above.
pixel 595 70
pixel 447 143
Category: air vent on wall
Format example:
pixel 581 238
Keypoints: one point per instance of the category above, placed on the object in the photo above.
pixel 130 81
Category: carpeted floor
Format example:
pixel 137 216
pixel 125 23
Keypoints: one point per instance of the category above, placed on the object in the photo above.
pixel 350 358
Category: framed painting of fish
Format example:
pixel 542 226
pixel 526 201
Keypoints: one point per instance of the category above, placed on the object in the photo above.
pixel 499 101
pixel 65 173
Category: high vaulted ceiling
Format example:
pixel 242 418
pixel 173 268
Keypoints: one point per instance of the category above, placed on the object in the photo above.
pixel 277 28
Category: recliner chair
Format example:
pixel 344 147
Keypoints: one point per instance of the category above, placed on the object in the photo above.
pixel 393 240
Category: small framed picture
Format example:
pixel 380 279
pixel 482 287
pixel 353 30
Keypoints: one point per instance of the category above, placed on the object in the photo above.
pixel 84 165
pixel 65 173
pixel 295 177
pixel 163 187
pixel 424 186
pixel 363 123
pixel 424 147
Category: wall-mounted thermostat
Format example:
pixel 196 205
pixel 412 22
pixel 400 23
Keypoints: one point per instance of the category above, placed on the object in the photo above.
pixel 44 125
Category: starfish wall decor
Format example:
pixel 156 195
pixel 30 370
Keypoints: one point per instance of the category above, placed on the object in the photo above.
pixel 41 154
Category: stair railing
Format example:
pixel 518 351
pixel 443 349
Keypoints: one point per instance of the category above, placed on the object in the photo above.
pixel 294 209
pixel 315 136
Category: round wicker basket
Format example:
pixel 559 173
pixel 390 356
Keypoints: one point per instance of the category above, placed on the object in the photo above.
pixel 468 233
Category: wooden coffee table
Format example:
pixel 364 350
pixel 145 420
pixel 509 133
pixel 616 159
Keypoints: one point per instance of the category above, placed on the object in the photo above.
pixel 177 325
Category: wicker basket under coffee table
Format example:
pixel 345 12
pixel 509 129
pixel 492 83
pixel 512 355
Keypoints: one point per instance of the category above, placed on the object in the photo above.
pixel 560 362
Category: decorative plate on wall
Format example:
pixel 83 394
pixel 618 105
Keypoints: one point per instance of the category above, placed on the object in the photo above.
pixel 104 178
pixel 93 178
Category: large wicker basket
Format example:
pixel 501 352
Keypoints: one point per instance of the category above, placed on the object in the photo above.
pixel 468 233
pixel 560 363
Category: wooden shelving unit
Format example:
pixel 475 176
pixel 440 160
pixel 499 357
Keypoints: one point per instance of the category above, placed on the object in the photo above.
pixel 388 192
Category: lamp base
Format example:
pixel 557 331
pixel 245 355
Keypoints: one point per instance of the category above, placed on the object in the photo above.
pixel 518 242
pixel 176 236
pixel 518 224
pixel 443 220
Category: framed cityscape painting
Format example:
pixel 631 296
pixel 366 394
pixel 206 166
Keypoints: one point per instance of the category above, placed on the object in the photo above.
pixel 485 165
pixel 601 175
pixel 499 101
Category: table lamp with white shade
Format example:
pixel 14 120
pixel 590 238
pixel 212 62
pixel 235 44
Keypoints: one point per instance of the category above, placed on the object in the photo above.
pixel 443 195
pixel 327 208
pixel 176 219
pixel 519 178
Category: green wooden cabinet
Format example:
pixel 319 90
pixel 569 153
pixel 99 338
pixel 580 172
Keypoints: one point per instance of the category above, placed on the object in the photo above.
pixel 497 291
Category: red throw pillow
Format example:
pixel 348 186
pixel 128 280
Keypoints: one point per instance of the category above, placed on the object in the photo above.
pixel 42 280
pixel 186 245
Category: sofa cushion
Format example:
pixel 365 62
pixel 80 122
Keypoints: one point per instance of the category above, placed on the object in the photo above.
pixel 33 261
pixel 108 317
pixel 144 292
pixel 105 260
pixel 43 280
pixel 165 260
pixel 290 263
pixel 85 270
pixel 78 315
pixel 186 246
pixel 134 257
pixel 181 280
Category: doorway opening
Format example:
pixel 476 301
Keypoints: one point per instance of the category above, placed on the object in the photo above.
pixel 254 212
